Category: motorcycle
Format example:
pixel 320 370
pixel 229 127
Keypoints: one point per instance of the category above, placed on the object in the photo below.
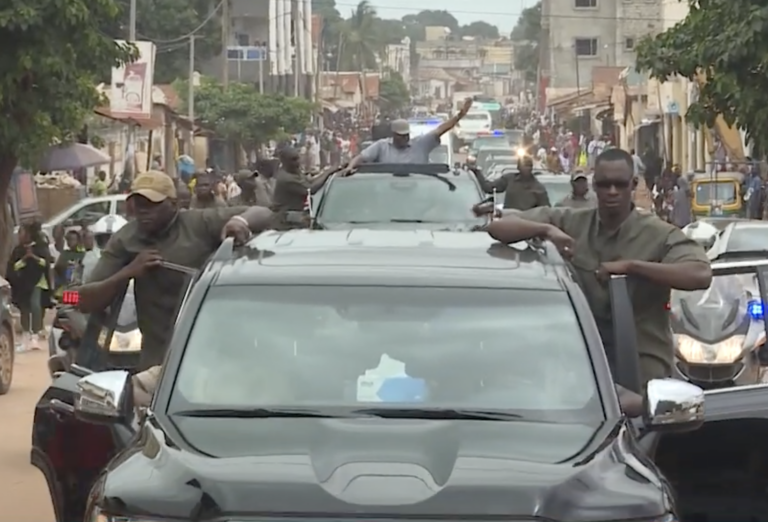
pixel 720 333
pixel 69 329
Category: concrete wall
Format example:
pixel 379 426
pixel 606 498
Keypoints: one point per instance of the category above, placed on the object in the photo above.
pixel 614 25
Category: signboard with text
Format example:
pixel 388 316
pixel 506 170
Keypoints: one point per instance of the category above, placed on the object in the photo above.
pixel 131 89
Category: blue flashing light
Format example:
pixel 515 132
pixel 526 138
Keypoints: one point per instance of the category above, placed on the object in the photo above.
pixel 755 309
pixel 425 122
pixel 498 133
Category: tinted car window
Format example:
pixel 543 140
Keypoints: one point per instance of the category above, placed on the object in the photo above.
pixel 381 198
pixel 557 190
pixel 323 346
pixel 723 191
pixel 747 239
pixel 492 141
pixel 87 214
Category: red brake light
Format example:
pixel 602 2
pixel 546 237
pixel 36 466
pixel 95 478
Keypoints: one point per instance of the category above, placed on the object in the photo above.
pixel 70 297
pixel 667 306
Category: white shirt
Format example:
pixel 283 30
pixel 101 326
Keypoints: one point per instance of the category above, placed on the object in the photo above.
pixel 90 259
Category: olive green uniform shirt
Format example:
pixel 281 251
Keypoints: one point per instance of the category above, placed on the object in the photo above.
pixel 641 237
pixel 520 192
pixel 189 240
pixel 290 191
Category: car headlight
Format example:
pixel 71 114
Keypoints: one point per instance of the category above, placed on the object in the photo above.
pixel 725 352
pixel 520 152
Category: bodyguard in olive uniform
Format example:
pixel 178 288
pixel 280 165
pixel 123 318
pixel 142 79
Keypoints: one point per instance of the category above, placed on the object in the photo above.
pixel 616 238
pixel 292 185
pixel 580 196
pixel 522 191
pixel 161 233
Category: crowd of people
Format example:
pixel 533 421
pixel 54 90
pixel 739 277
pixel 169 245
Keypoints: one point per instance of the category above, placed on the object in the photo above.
pixel 182 222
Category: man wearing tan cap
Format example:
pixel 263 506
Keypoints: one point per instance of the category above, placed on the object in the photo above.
pixel 400 148
pixel 159 233
pixel 580 196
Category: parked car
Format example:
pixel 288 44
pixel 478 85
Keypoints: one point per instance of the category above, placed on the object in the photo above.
pixel 395 375
pixel 88 211
pixel 7 338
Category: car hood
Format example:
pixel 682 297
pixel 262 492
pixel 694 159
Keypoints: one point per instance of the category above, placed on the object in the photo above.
pixel 392 468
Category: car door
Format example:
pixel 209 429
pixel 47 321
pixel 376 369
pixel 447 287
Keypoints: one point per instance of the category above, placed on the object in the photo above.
pixel 68 451
pixel 741 402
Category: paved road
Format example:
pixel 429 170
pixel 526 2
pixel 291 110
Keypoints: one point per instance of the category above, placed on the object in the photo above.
pixel 23 493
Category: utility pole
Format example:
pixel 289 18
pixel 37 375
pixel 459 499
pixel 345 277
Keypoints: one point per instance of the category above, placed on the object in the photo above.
pixel 225 41
pixel 131 137
pixel 132 22
pixel 262 58
pixel 191 81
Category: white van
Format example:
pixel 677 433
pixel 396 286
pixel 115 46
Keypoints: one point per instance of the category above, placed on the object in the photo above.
pixel 443 153
pixel 474 123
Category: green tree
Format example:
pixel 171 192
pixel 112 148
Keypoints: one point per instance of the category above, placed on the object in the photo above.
pixel 166 22
pixel 242 115
pixel 431 17
pixel 727 42
pixel 480 29
pixel 53 55
pixel 527 33
pixel 394 94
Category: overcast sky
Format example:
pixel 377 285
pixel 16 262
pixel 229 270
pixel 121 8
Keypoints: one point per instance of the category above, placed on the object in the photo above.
pixel 502 13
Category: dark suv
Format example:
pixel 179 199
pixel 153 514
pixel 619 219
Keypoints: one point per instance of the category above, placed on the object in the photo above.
pixel 386 375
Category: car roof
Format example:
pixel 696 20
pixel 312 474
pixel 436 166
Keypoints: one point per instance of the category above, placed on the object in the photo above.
pixel 748 223
pixel 368 257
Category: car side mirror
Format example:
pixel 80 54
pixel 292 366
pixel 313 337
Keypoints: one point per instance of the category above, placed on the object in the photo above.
pixel 105 397
pixel 673 405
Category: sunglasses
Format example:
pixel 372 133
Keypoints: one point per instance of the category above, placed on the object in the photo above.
pixel 607 183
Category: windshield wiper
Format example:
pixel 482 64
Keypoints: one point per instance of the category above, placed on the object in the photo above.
pixel 438 414
pixel 451 184
pixel 256 413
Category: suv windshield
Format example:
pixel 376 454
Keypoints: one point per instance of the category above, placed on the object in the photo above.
pixel 374 198
pixel 318 347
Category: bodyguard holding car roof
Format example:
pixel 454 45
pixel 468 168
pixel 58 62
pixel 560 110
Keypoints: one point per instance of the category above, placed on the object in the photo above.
pixel 158 235
pixel 616 239
pixel 400 148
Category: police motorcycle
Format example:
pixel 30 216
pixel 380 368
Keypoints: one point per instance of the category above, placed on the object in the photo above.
pixel 719 332
pixel 70 323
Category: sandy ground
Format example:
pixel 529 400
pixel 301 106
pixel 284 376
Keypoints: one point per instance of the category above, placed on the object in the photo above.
pixel 23 492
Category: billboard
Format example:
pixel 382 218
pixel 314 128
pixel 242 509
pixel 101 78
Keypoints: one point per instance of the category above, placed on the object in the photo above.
pixel 131 89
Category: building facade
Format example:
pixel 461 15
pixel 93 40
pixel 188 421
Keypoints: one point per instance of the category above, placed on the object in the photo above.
pixel 269 44
pixel 583 34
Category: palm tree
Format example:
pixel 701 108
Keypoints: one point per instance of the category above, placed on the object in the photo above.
pixel 359 43
pixel 359 39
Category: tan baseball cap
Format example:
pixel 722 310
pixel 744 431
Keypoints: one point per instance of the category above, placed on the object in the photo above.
pixel 154 185
pixel 401 127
